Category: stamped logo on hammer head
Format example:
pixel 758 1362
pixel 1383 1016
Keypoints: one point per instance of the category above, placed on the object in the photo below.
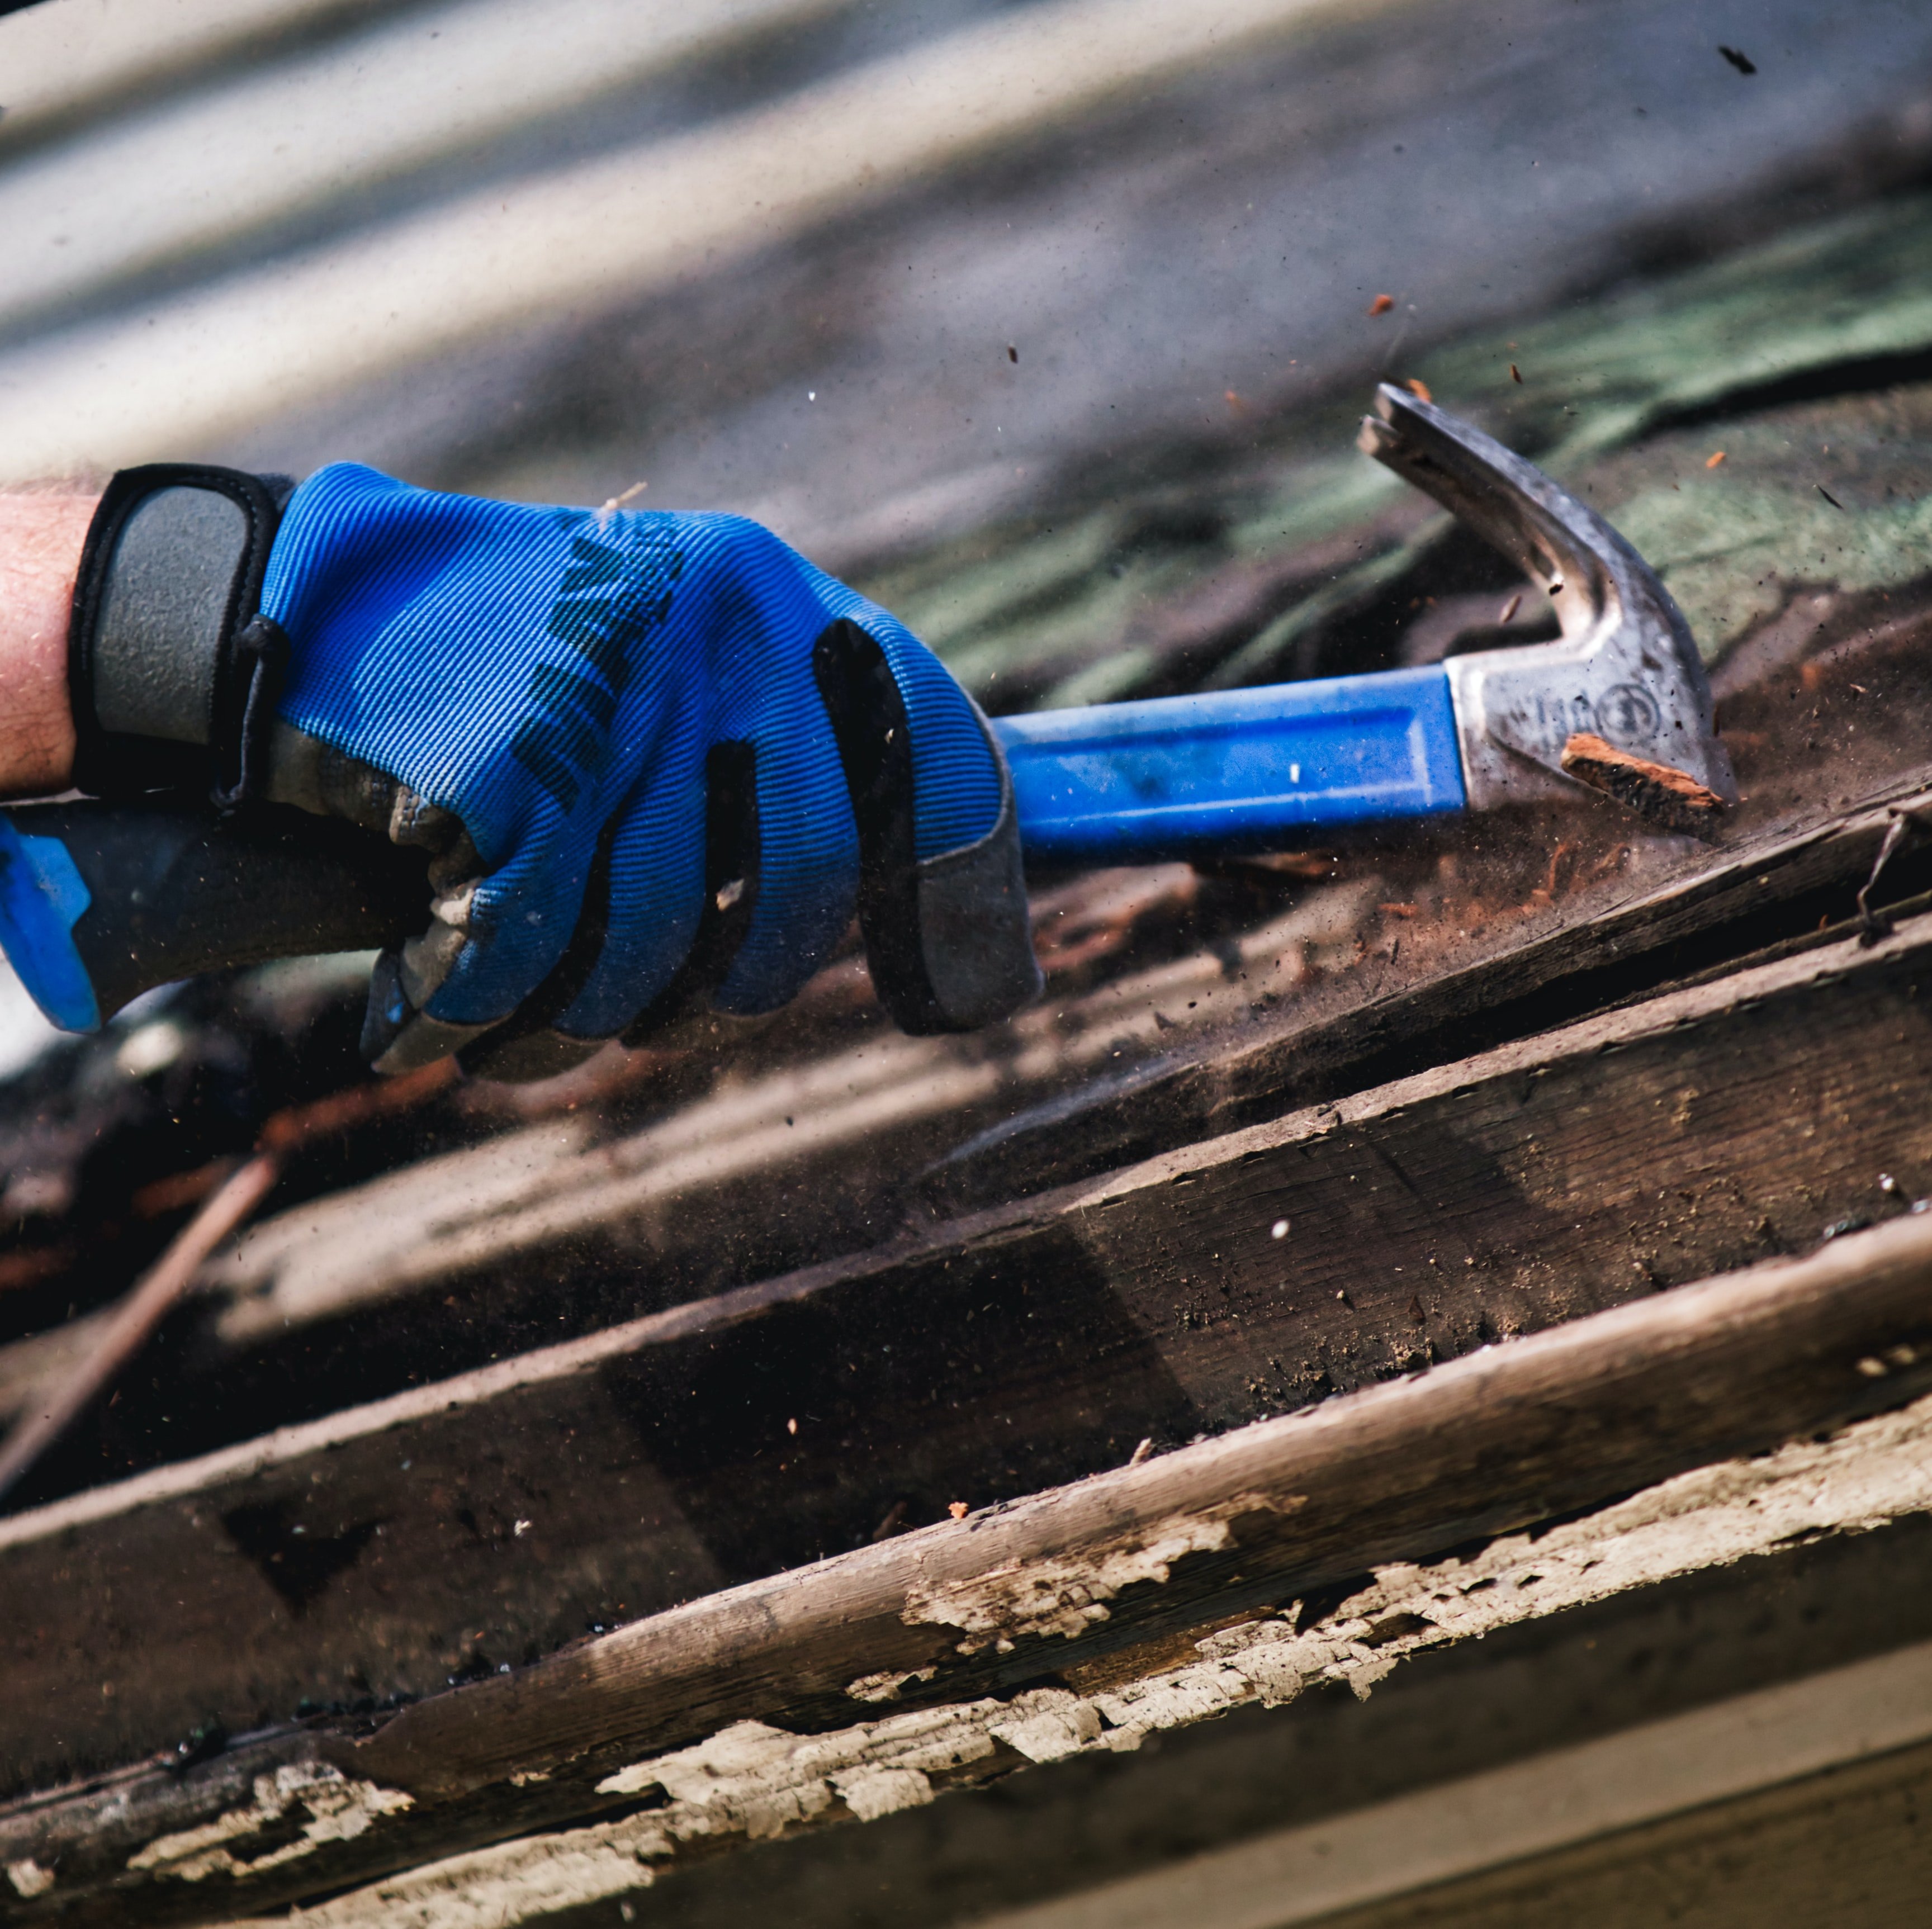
pixel 1627 711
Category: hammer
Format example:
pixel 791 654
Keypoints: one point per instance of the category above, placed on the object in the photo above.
pixel 100 902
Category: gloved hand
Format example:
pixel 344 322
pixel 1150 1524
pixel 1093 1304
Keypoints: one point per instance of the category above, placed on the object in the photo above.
pixel 653 758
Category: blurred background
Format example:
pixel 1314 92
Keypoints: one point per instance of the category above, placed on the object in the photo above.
pixel 889 276
pixel 873 272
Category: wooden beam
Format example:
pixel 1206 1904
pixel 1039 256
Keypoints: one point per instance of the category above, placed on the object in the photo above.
pixel 1784 890
pixel 1508 1436
pixel 480 1522
pixel 1033 1632
pixel 444 1266
pixel 1516 1831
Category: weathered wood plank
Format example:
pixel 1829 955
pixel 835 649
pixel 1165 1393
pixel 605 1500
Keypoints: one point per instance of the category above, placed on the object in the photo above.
pixel 380 1552
pixel 554 1228
pixel 1774 888
pixel 1028 1633
pixel 1511 1436
pixel 1850 1844
pixel 1657 1646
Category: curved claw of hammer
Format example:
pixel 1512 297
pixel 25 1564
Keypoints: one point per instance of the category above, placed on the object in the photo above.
pixel 1625 670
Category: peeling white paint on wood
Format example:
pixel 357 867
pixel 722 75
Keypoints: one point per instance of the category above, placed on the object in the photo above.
pixel 339 1809
pixel 754 1782
pixel 1067 1596
pixel 886 1687
pixel 758 1780
pixel 486 1890
pixel 29 1879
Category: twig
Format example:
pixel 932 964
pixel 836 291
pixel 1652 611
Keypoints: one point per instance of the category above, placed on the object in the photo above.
pixel 136 1317
pixel 1872 925
pixel 616 502
pixel 300 1125
pixel 149 1302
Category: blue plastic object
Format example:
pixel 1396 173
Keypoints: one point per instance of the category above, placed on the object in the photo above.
pixel 1238 769
pixel 42 894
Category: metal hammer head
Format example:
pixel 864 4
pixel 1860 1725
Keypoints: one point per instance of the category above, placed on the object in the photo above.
pixel 1624 678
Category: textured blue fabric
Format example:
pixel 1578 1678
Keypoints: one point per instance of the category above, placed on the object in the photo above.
pixel 552 675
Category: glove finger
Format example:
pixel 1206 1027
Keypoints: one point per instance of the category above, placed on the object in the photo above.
pixel 421 1004
pixel 525 1045
pixel 530 1044
pixel 641 911
pixel 399 1033
pixel 663 919
pixel 396 1035
pixel 665 848
pixel 803 888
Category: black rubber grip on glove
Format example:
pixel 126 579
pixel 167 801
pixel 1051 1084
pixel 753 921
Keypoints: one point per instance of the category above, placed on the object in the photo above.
pixel 734 846
pixel 868 719
pixel 948 938
pixel 173 674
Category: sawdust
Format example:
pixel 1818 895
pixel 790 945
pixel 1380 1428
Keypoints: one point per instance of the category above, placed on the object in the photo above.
pixel 422 1224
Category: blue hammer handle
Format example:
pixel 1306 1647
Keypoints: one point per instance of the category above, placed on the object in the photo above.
pixel 1231 770
pixel 100 902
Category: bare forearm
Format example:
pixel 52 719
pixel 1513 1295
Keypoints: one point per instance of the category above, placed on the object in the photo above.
pixel 40 539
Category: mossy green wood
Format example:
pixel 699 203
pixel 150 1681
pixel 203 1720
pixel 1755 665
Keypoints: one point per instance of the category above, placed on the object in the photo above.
pixel 1624 398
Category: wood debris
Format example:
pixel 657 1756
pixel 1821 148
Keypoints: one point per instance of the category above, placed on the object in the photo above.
pixel 1667 797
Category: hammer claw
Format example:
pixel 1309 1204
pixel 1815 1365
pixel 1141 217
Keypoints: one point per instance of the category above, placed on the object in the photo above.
pixel 1625 669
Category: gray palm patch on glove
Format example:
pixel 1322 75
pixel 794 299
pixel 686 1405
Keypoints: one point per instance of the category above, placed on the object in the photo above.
pixel 397 1035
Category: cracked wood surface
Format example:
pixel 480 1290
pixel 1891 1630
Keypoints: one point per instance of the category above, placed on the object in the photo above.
pixel 480 1522
pixel 738 1718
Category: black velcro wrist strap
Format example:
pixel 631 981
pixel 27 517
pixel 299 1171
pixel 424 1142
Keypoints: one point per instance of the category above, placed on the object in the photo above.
pixel 172 673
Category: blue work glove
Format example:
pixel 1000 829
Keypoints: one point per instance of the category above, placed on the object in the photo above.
pixel 654 758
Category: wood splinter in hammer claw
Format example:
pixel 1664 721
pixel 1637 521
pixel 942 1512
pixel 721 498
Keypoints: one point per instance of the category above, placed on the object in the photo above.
pixel 1670 797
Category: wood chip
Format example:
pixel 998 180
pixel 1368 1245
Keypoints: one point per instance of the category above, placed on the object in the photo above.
pixel 1669 797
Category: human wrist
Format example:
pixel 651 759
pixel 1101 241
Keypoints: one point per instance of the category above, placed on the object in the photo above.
pixel 42 534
